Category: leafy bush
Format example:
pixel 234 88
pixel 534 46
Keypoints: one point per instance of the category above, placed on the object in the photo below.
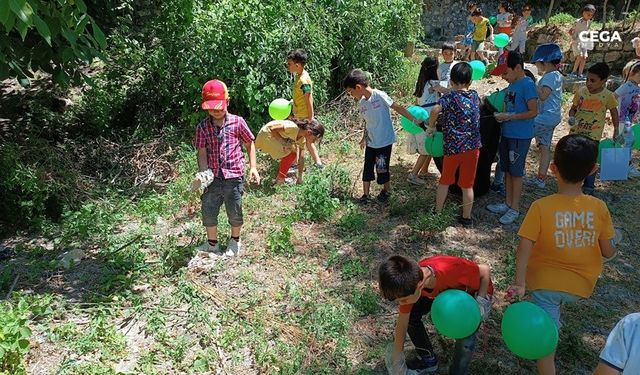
pixel 314 200
pixel 562 19
pixel 279 240
pixel 14 337
pixel 245 44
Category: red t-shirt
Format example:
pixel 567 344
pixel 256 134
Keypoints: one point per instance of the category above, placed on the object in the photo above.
pixel 451 273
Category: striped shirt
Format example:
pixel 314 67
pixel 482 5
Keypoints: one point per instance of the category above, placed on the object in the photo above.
pixel 224 145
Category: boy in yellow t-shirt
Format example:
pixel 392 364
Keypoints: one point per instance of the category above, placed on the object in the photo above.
pixel 479 35
pixel 564 237
pixel 302 96
pixel 588 113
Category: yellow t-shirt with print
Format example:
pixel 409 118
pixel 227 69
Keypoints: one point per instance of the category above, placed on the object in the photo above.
pixel 266 142
pixel 301 86
pixel 566 255
pixel 592 112
pixel 480 30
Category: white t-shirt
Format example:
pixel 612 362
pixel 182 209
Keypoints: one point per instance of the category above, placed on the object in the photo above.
pixel 376 113
pixel 503 19
pixel 429 95
pixel 444 70
pixel 622 350
pixel 550 109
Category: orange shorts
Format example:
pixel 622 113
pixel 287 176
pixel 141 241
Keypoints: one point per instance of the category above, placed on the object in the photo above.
pixel 466 162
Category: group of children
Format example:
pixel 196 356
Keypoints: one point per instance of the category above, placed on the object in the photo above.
pixel 563 238
pixel 480 30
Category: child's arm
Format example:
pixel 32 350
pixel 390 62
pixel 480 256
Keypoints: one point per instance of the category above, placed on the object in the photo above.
pixel 363 140
pixel 203 163
pixel 485 278
pixel 532 111
pixel 490 28
pixel 615 120
pixel 607 249
pixel 522 260
pixel 313 151
pixel 403 111
pixel 253 171
pixel 308 98
pixel 433 116
pixel 399 335
pixel 300 164
pixel 543 93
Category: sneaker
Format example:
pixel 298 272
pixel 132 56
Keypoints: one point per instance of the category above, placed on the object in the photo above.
pixel 233 248
pixel 364 199
pixel 498 208
pixel 465 222
pixel 573 75
pixel 413 179
pixel 536 181
pixel 207 248
pixel 383 197
pixel 293 169
pixel 509 217
pixel 633 172
pixel 424 364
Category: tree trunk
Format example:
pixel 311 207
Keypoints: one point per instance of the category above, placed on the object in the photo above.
pixel 604 14
pixel 546 20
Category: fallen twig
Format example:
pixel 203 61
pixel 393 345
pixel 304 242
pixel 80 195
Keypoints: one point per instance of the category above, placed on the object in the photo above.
pixel 13 285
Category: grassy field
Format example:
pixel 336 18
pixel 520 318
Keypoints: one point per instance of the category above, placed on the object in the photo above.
pixel 302 299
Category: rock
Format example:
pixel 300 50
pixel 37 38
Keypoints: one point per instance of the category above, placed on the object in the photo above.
pixel 71 257
pixel 612 56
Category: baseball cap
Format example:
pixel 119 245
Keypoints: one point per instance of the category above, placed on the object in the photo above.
pixel 501 67
pixel 215 95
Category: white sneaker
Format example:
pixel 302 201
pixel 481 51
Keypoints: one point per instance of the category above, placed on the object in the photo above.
pixel 233 248
pixel 536 181
pixel 412 178
pixel 509 217
pixel 498 208
pixel 633 172
pixel 207 248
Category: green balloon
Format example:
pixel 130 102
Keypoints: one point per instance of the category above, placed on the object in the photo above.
pixel 605 143
pixel 529 331
pixel 477 69
pixel 280 109
pixel 493 20
pixel 501 40
pixel 496 99
pixel 530 20
pixel 435 145
pixel 636 134
pixel 455 314
pixel 420 114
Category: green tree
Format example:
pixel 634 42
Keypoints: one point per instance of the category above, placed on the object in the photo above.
pixel 53 36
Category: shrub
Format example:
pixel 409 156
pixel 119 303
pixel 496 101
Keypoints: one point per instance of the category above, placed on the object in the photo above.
pixel 279 240
pixel 562 19
pixel 14 337
pixel 314 200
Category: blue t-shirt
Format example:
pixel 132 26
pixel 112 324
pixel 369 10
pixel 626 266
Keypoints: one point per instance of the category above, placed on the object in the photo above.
pixel 375 111
pixel 517 95
pixel 461 121
pixel 549 110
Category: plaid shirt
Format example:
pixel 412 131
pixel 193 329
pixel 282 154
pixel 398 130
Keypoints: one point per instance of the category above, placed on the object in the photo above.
pixel 224 151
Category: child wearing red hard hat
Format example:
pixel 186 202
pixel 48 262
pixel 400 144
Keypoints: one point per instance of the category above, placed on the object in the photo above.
pixel 218 140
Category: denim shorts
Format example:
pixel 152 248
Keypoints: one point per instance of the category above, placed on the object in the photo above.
pixel 543 132
pixel 513 154
pixel 551 300
pixel 228 191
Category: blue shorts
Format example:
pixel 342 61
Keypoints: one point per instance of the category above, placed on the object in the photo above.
pixel 551 300
pixel 544 132
pixel 513 154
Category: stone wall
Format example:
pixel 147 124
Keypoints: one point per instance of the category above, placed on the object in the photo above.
pixel 616 54
pixel 444 19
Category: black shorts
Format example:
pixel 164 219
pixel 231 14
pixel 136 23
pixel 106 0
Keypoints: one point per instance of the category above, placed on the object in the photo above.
pixel 376 163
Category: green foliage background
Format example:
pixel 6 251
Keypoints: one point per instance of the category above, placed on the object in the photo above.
pixel 158 55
